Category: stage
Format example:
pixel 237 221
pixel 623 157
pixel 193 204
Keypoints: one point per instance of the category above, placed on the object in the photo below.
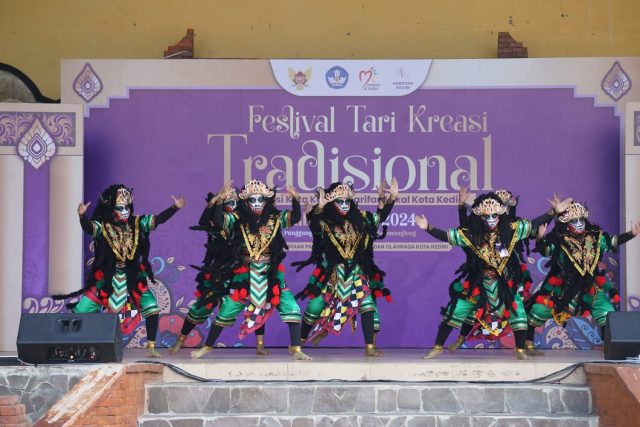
pixel 242 364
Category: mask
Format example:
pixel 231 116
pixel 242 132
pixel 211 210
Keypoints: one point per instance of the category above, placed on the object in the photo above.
pixel 256 203
pixel 342 206
pixel 576 226
pixel 230 205
pixel 491 221
pixel 121 213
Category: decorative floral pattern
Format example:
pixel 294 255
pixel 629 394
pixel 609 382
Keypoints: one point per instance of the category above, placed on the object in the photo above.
pixel 616 83
pixel 36 146
pixel 87 84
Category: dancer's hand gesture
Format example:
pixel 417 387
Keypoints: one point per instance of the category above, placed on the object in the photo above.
pixel 380 189
pixel 393 189
pixel 635 228
pixel 179 202
pixel 463 195
pixel 558 205
pixel 422 223
pixel 225 191
pixel 291 190
pixel 82 208
pixel 321 200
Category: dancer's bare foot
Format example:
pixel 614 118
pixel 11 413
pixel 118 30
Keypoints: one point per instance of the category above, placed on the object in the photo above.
pixel 435 351
pixel 297 354
pixel 178 344
pixel 457 344
pixel 521 355
pixel 371 351
pixel 151 349
pixel 197 354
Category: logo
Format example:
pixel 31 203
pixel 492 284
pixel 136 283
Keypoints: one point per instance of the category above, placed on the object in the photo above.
pixel 337 77
pixel 368 79
pixel 300 79
pixel 403 80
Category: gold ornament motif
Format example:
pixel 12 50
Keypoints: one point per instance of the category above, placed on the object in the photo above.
pixel 504 195
pixel 259 242
pixel 490 206
pixel 346 239
pixel 488 252
pixel 342 191
pixel 123 241
pixel 575 211
pixel 123 197
pixel 254 187
pixel 583 252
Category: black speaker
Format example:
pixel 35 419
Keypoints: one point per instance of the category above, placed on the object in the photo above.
pixel 622 335
pixel 69 338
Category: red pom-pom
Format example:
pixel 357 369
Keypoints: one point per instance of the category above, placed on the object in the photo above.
pixel 275 300
pixel 141 287
pixel 600 281
pixel 592 291
pixel 99 275
pixel 514 306
pixel 388 298
pixel 316 272
pixel 550 304
pixel 616 299
pixel 321 278
pixel 197 294
pixel 281 268
pixel 506 314
pixel 103 294
pixel 276 290
pixel 235 296
pixel 376 277
pixel 554 281
pixel 142 267
pixel 207 276
pixel 510 283
pixel 377 293
pixel 466 284
pixel 586 313
pixel 209 306
pixel 539 299
pixel 243 293
pixel 241 270
pixel 475 292
pixel 523 267
pixel 480 313
pixel 527 286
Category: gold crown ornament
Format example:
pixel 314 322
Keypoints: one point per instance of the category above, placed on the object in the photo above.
pixel 123 197
pixel 489 206
pixel 505 196
pixel 574 211
pixel 342 191
pixel 255 187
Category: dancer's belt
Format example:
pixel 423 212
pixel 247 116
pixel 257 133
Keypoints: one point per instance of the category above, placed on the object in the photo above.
pixel 265 257
pixel 490 272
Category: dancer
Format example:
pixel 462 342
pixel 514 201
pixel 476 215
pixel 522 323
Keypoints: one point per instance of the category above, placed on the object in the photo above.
pixel 492 236
pixel 214 275
pixel 575 285
pixel 121 270
pixel 257 283
pixel 344 264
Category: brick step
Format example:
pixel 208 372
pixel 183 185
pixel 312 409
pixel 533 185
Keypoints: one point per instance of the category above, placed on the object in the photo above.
pixel 370 420
pixel 311 398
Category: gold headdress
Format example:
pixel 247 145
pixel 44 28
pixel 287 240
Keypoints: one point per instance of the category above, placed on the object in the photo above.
pixel 575 211
pixel 489 206
pixel 123 197
pixel 505 196
pixel 254 187
pixel 342 191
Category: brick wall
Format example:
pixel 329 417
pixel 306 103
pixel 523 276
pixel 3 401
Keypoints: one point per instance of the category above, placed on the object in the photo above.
pixel 509 48
pixel 616 393
pixel 113 397
pixel 12 413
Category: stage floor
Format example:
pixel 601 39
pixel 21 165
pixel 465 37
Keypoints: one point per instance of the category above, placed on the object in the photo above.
pixel 233 364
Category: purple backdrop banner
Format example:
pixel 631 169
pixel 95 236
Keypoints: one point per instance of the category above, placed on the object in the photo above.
pixel 186 141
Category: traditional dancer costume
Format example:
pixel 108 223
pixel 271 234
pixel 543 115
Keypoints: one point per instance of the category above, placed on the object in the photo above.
pixel 257 284
pixel 491 235
pixel 214 275
pixel 121 271
pixel 343 255
pixel 575 285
